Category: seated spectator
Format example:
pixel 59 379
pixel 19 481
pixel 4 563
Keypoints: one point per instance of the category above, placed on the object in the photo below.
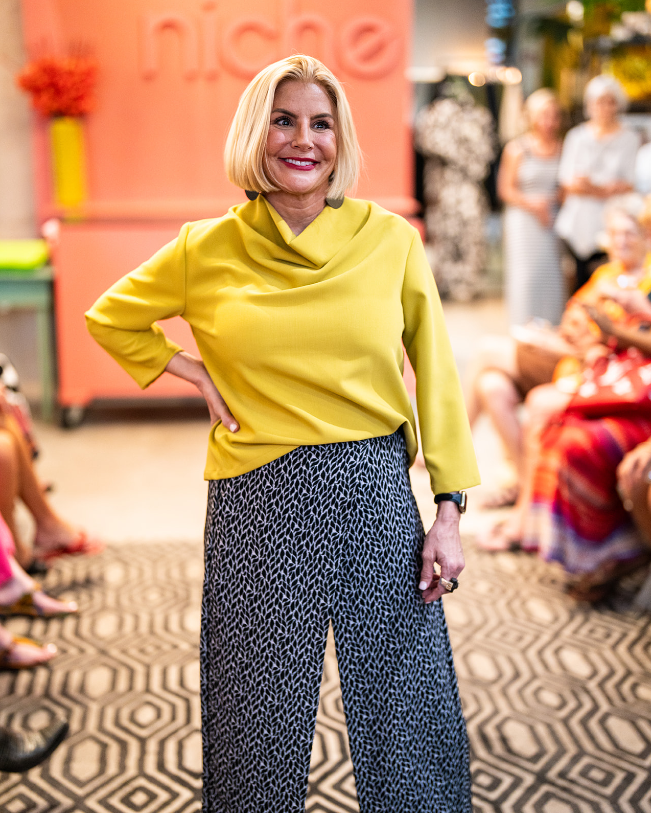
pixel 580 490
pixel 576 516
pixel 507 368
pixel 21 595
pixel 17 403
pixel 54 536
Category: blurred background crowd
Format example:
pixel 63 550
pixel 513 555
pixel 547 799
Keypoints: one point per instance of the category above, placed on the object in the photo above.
pixel 516 136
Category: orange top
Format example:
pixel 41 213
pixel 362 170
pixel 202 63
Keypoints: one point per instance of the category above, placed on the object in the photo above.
pixel 609 274
pixel 590 293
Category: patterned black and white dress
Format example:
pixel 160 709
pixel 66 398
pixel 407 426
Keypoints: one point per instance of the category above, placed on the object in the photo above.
pixel 325 533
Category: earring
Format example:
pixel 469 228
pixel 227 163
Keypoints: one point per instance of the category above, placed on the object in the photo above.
pixel 251 195
pixel 334 203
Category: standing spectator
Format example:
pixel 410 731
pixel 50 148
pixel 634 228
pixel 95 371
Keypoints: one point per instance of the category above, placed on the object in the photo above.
pixel 598 161
pixel 528 185
pixel 643 170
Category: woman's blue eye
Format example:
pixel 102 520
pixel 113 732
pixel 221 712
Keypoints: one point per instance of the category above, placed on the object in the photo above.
pixel 322 125
pixel 283 121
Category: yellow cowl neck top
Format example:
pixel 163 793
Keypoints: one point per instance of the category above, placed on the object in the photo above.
pixel 302 335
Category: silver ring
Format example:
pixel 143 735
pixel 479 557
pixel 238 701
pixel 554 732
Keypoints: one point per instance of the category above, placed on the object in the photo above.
pixel 450 585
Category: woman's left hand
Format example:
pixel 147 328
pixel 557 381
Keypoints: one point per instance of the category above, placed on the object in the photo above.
pixel 442 546
pixel 603 322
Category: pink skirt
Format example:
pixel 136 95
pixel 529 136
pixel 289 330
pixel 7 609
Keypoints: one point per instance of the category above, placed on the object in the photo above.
pixel 7 549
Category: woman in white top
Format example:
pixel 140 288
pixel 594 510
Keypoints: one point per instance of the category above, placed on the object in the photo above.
pixel 528 185
pixel 643 170
pixel 598 162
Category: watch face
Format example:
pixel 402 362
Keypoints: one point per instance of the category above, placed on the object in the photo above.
pixel 463 502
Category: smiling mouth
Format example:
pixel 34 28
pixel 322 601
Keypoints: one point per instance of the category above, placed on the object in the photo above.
pixel 300 163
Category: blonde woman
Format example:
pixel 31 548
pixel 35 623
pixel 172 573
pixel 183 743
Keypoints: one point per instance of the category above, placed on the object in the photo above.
pixel 299 301
pixel 528 185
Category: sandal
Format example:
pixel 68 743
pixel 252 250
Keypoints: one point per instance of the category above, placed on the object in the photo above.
pixel 37 568
pixel 503 497
pixel 595 586
pixel 9 662
pixel 495 540
pixel 81 545
pixel 27 606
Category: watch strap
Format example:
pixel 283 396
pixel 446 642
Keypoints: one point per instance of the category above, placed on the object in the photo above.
pixel 458 497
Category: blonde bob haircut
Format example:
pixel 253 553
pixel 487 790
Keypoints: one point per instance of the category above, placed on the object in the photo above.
pixel 244 154
pixel 538 101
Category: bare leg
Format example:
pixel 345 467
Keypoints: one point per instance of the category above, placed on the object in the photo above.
pixel 15 460
pixel 494 353
pixel 22 653
pixel 499 398
pixel 31 492
pixel 9 488
pixel 21 583
pixel 641 506
pixel 542 403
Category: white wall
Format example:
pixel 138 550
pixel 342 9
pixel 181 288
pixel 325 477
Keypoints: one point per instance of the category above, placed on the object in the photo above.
pixel 17 330
pixel 16 202
pixel 449 34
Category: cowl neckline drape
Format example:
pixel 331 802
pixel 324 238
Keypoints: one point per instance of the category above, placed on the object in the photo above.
pixel 317 245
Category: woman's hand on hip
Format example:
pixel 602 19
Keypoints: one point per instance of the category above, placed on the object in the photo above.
pixel 442 546
pixel 192 369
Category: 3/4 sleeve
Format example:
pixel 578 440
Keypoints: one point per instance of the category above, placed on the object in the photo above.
pixel 444 428
pixel 123 319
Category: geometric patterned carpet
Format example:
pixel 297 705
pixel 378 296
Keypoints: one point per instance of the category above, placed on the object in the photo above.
pixel 557 695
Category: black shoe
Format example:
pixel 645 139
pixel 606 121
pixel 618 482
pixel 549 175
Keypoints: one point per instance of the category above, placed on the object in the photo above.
pixel 20 751
pixel 37 568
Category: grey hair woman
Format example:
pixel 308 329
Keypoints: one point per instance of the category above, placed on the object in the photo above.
pixel 597 163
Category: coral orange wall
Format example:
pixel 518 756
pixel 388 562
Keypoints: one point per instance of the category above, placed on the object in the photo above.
pixel 171 72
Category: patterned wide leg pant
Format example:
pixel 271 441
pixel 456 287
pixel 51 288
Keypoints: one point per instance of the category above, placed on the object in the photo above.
pixel 328 532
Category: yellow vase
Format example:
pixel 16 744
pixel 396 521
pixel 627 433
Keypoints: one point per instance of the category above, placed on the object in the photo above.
pixel 68 161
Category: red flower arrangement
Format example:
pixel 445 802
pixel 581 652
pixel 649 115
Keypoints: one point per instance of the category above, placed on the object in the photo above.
pixel 60 86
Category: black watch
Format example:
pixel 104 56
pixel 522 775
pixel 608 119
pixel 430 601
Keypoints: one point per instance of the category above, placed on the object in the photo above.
pixel 458 497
